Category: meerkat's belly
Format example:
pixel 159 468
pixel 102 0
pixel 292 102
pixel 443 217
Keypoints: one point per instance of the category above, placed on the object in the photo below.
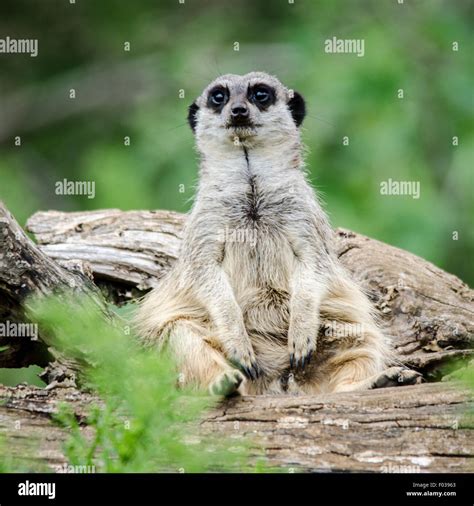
pixel 257 258
pixel 259 267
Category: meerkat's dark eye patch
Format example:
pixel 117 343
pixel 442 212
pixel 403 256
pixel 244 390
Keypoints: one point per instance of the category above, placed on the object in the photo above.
pixel 262 96
pixel 217 98
pixel 297 107
pixel 192 111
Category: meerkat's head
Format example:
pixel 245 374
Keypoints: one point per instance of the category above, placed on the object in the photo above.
pixel 251 110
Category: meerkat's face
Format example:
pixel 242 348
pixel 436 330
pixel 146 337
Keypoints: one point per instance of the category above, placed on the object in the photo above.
pixel 251 109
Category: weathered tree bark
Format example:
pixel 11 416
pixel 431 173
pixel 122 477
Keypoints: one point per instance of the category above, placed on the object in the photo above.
pixel 422 428
pixel 428 312
pixel 26 270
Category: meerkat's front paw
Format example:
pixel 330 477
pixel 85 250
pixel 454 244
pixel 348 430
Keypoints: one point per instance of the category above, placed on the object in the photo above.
pixel 226 383
pixel 246 362
pixel 301 351
pixel 397 376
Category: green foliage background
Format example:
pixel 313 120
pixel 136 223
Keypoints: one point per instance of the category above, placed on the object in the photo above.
pixel 182 46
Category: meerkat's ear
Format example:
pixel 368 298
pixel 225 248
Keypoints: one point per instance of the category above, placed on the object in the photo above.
pixel 192 120
pixel 297 107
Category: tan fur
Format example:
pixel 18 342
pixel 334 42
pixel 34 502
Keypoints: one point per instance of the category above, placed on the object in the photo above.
pixel 280 290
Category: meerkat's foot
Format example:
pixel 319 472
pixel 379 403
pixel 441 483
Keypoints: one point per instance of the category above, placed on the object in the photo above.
pixel 226 383
pixel 396 376
pixel 301 351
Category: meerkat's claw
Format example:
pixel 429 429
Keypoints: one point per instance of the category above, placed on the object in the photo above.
pixel 247 364
pixel 258 370
pixel 252 372
pixel 301 360
pixel 300 363
pixel 226 383
pixel 397 376
pixel 306 360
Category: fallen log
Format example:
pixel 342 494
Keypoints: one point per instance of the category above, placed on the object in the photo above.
pixel 26 270
pixel 421 428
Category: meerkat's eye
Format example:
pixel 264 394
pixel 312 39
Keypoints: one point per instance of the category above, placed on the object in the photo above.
pixel 217 98
pixel 262 96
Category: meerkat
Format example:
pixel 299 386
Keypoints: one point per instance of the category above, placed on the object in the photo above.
pixel 258 302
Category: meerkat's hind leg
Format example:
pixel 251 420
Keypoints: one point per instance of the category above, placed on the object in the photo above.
pixel 391 377
pixel 396 376
pixel 200 364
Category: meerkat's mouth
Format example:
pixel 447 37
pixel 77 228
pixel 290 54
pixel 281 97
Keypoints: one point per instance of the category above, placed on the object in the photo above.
pixel 243 130
pixel 237 126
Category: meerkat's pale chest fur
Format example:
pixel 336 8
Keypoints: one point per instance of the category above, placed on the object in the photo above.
pixel 257 301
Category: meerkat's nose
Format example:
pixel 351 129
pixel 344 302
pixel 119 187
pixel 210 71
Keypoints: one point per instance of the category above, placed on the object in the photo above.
pixel 239 111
